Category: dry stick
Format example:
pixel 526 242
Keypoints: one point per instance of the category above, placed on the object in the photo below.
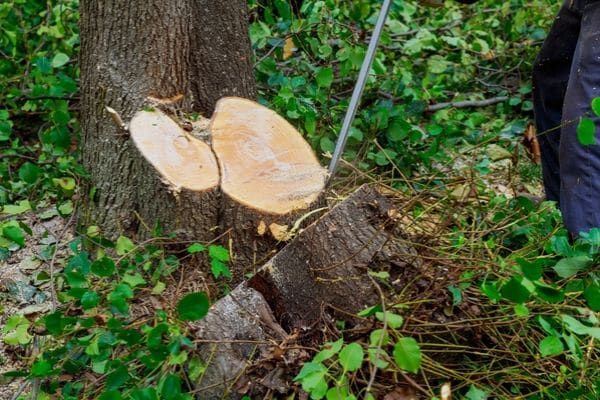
pixel 467 103
pixel 372 366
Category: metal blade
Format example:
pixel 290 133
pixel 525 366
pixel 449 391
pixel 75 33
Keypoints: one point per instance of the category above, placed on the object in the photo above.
pixel 360 85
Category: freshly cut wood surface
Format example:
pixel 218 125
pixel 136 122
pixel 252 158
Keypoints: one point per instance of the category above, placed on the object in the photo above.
pixel 180 158
pixel 265 163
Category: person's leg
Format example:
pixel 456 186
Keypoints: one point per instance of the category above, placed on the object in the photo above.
pixel 550 76
pixel 580 164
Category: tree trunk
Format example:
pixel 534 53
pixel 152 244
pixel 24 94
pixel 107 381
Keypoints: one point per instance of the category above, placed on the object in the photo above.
pixel 132 50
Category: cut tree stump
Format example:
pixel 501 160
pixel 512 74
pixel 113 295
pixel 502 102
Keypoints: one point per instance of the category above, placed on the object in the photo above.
pixel 179 188
pixel 320 275
pixel 270 177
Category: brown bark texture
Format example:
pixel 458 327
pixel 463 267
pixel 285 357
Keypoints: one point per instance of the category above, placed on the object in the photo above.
pixel 320 275
pixel 134 49
pixel 324 270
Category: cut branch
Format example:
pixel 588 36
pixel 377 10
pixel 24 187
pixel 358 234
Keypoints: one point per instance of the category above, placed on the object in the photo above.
pixel 466 103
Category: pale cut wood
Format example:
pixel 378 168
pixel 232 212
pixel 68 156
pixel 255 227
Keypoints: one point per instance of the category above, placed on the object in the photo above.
pixel 178 183
pixel 184 161
pixel 265 163
pixel 270 178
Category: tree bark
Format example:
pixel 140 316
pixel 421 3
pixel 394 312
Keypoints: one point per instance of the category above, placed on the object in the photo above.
pixel 221 56
pixel 131 50
pixel 320 275
pixel 324 270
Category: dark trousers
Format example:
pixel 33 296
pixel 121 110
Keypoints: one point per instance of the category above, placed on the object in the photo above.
pixel 566 78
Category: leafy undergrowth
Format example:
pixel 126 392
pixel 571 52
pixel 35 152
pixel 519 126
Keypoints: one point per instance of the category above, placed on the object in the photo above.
pixel 508 307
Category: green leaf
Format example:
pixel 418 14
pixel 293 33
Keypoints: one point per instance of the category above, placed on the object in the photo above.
pixel 330 349
pixel 351 357
pixel 15 234
pixel 580 329
pixel 312 378
pixel 104 267
pixel 29 172
pixel 124 245
pixel 456 295
pixel 592 295
pixel 514 291
pixel 89 300
pixel 111 395
pixel 59 60
pixel 476 394
pixel 394 321
pixel 159 288
pixel 219 269
pixel 66 208
pixel 134 280
pixel 117 378
pixel 586 130
pixel 20 208
pixel 568 267
pixel 171 387
pixel 551 346
pixel 196 248
pixel 193 307
pixel 407 354
pixel 324 77
pixel 218 253
pixel 596 106
pixel 41 368
pixel 531 270
pixel 550 294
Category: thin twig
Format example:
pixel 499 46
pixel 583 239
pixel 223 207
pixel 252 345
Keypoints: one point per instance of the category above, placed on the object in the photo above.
pixel 372 367
pixel 467 103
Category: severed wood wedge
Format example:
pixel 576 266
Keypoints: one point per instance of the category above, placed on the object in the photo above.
pixel 182 194
pixel 269 176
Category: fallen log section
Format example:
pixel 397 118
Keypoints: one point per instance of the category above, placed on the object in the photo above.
pixel 321 275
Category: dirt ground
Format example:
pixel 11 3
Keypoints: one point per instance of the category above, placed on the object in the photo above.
pixel 25 285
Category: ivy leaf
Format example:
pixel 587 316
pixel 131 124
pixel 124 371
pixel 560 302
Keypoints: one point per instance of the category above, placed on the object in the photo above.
pixel 89 300
pixel 196 248
pixel 324 77
pixel 407 354
pixel 586 130
pixel 551 346
pixel 117 378
pixel 514 291
pixel 592 295
pixel 171 387
pixel 41 368
pixel 103 267
pixel 351 357
pixel 568 267
pixel 193 307
pixel 29 172
pixel 124 245
pixel 218 253
pixel 15 234
pixel 475 394
pixel 134 280
pixel 596 106
pixel 59 60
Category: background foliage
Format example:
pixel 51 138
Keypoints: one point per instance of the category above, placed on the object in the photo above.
pixel 538 294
